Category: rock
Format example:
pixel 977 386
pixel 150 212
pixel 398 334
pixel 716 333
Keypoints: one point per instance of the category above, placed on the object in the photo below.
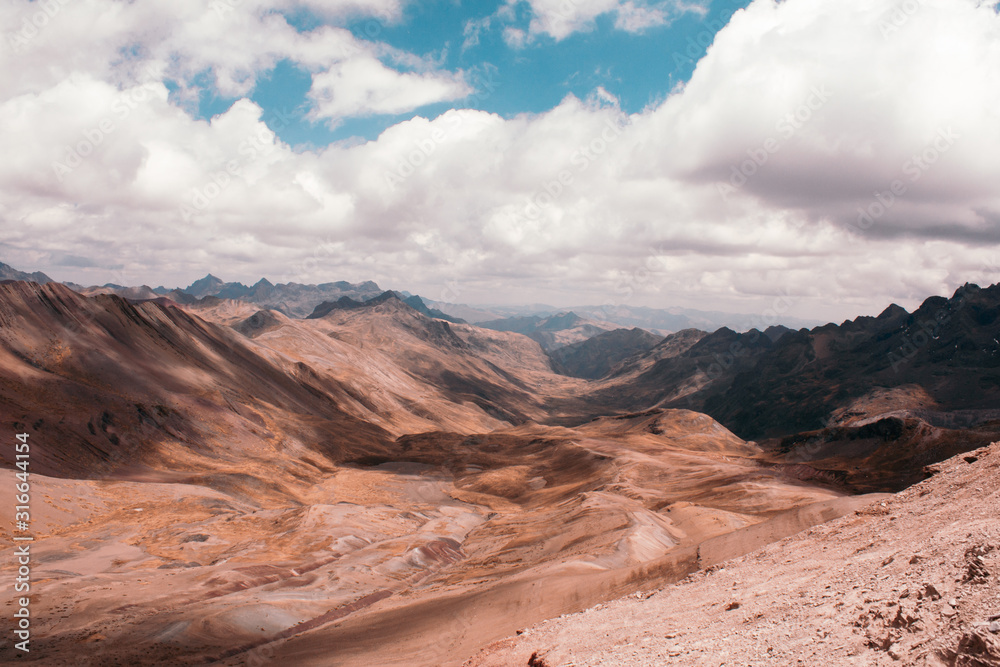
pixel 993 627
pixel 906 615
pixel 930 592
pixel 895 652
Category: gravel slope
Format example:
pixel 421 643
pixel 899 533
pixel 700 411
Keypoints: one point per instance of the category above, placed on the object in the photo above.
pixel 910 580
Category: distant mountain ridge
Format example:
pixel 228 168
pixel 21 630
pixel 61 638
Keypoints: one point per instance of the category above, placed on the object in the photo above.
pixel 347 303
pixel 657 320
pixel 551 332
pixel 292 299
pixel 10 273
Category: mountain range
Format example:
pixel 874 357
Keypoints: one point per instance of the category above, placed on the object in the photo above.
pixel 300 300
pixel 247 485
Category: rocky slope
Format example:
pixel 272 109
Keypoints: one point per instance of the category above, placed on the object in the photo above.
pixel 760 388
pixel 911 579
pixel 107 387
pixel 551 332
pixel 596 357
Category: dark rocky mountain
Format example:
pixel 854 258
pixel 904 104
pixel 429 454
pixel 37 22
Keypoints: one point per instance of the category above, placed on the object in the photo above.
pixel 689 367
pixel 947 350
pixel 678 319
pixel 596 357
pixel 553 331
pixel 207 286
pixel 948 347
pixel 347 303
pixel 776 332
pixel 419 305
pixel 10 273
pixel 669 347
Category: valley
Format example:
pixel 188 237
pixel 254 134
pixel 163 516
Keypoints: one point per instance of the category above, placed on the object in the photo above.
pixel 217 483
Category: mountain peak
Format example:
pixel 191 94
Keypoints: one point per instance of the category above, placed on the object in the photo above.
pixel 205 286
pixel 893 311
pixel 8 272
pixel 347 303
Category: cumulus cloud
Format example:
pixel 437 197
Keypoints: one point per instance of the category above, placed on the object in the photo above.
pixel 561 18
pixel 823 152
pixel 229 42
pixel 364 86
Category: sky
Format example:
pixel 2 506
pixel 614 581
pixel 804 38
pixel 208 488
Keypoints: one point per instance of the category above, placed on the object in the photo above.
pixel 822 158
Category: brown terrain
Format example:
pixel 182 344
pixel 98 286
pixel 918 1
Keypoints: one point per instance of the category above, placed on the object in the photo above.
pixel 218 484
pixel 910 579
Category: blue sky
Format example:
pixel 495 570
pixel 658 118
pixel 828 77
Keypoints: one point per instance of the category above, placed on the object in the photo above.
pixel 639 68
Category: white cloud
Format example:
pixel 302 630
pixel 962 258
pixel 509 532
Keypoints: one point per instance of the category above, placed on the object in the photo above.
pixel 561 18
pixel 515 38
pixel 232 41
pixel 634 18
pixel 363 86
pixel 580 203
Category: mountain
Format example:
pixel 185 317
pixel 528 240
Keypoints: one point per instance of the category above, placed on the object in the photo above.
pixel 596 357
pixel 671 346
pixel 825 389
pixel 10 273
pixel 418 304
pixel 409 490
pixel 553 331
pixel 684 370
pixel 678 319
pixel 223 456
pixel 658 320
pixel 347 303
pixel 293 299
pixel 150 387
pixel 208 286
